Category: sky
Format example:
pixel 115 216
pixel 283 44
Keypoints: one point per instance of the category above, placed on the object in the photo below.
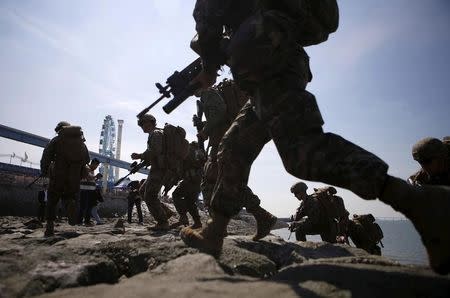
pixel 381 81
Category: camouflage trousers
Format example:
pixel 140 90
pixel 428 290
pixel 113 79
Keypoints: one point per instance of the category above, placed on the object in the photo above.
pixel 326 230
pixel 153 186
pixel 64 185
pixel 266 62
pixel 185 197
pixel 249 200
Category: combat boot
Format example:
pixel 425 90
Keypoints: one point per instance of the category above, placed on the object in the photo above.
pixel 264 222
pixel 210 238
pixel 197 223
pixel 160 227
pixel 49 229
pixel 428 207
pixel 183 221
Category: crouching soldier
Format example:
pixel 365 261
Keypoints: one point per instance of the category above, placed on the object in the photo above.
pixel 365 233
pixel 63 161
pixel 311 217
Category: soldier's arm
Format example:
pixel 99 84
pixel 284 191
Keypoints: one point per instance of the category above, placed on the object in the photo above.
pixel 48 155
pixel 208 16
pixel 314 212
pixel 156 147
pixel 215 111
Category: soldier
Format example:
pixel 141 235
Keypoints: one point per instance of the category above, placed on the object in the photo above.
pixel 134 198
pixel 365 233
pixel 221 105
pixel 311 217
pixel 154 156
pixel 267 60
pixel 334 209
pixel 185 195
pixel 433 155
pixel 63 161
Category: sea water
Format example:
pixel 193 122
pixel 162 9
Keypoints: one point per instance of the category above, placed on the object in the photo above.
pixel 401 241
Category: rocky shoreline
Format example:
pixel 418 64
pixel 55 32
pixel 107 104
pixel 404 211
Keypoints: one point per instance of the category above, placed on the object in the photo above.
pixel 104 261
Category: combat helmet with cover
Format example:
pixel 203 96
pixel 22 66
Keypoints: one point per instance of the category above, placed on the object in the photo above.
pixel 60 125
pixel 428 149
pixel 146 118
pixel 299 187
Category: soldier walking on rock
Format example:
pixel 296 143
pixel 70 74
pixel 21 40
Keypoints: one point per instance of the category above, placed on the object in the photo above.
pixel 267 60
pixel 63 161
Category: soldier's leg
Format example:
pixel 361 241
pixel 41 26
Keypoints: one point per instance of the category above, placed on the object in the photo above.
pixel 179 201
pixel 240 146
pixel 152 188
pixel 52 201
pixel 191 199
pixel 130 209
pixel 71 205
pixel 139 211
pixel 300 235
pixel 209 178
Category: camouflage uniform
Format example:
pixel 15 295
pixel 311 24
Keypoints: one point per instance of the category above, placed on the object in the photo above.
pixel 267 62
pixel 310 219
pixel 218 119
pixel 64 174
pixel 361 237
pixel 186 193
pixel 157 176
pixel 214 128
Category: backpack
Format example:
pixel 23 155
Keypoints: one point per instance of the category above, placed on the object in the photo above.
pixel 371 227
pixel 233 98
pixel 175 144
pixel 315 19
pixel 72 149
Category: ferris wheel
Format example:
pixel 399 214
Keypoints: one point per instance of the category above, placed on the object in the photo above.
pixel 107 145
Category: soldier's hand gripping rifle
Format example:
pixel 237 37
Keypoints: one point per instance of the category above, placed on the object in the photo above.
pixel 134 168
pixel 179 85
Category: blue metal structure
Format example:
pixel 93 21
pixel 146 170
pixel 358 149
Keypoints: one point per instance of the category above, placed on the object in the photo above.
pixel 35 140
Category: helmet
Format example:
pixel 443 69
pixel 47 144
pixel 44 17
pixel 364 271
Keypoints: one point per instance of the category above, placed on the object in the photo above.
pixel 427 149
pixel 299 187
pixel 60 125
pixel 146 118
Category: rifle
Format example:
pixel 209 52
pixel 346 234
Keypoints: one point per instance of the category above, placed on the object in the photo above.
pixel 199 124
pixel 179 85
pixel 134 168
pixel 34 181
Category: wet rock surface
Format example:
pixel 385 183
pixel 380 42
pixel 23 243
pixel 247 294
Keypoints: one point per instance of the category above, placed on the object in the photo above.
pixel 97 262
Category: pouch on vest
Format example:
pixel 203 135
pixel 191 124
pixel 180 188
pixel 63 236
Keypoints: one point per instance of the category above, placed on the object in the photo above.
pixel 233 97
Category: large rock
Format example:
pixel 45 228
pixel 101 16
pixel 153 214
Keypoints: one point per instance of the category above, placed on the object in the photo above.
pixel 96 262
